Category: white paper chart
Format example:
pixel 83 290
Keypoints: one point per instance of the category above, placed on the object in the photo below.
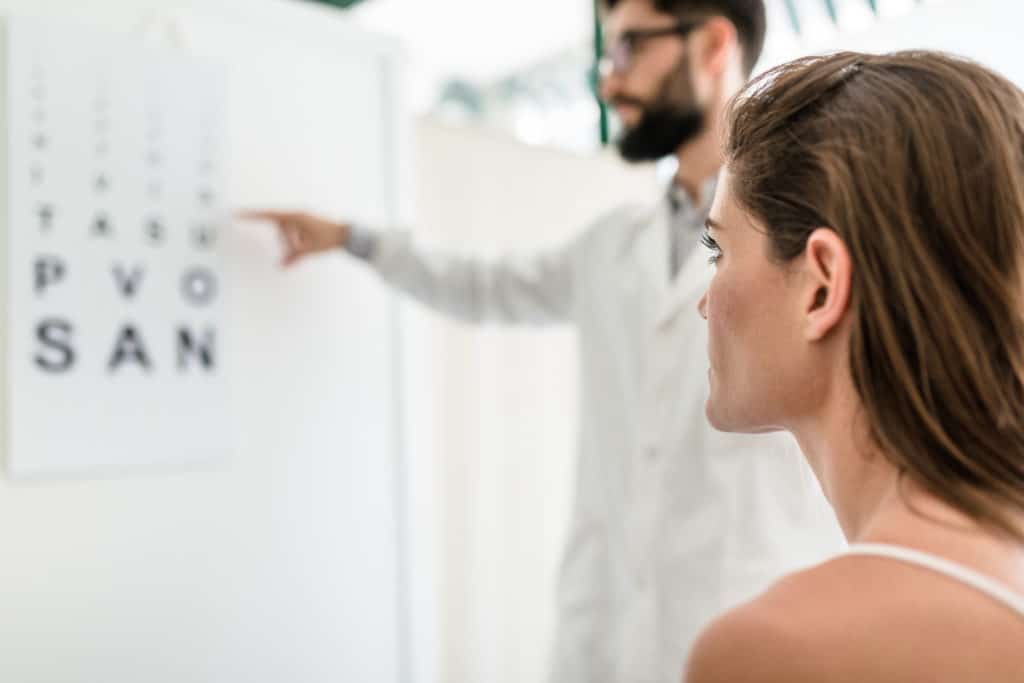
pixel 114 348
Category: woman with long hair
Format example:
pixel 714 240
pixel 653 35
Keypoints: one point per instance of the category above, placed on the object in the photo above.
pixel 868 241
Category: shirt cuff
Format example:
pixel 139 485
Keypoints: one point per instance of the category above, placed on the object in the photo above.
pixel 361 242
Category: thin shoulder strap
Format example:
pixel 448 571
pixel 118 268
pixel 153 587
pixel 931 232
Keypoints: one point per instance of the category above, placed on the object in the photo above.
pixel 953 570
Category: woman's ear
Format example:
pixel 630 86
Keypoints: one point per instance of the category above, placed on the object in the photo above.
pixel 827 279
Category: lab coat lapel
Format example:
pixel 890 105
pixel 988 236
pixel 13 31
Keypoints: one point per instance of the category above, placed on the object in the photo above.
pixel 688 286
pixel 694 272
pixel 647 277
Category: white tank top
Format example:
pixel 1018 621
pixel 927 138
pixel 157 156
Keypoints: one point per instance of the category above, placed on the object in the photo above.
pixel 953 570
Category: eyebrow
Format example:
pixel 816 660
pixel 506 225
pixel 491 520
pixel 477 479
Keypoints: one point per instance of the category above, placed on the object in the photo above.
pixel 712 224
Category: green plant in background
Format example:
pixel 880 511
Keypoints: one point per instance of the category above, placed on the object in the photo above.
pixel 595 77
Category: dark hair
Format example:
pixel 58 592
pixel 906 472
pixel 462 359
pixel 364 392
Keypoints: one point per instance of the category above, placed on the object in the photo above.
pixel 748 16
pixel 916 160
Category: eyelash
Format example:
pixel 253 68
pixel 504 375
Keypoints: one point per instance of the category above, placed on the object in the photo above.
pixel 709 242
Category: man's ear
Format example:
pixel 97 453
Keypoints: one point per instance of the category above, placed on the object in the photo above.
pixel 827 279
pixel 718 40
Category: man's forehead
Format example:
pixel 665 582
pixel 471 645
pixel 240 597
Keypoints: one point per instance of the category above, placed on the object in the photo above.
pixel 631 14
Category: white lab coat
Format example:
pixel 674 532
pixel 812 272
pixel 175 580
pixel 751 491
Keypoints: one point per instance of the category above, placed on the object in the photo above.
pixel 673 522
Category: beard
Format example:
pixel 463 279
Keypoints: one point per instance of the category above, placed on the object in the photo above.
pixel 659 133
pixel 665 124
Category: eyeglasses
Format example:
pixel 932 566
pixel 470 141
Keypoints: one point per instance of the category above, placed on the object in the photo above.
pixel 619 56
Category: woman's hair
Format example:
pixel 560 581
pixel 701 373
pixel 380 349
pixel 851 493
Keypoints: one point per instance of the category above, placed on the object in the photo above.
pixel 916 160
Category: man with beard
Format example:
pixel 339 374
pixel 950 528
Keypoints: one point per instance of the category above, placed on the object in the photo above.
pixel 672 522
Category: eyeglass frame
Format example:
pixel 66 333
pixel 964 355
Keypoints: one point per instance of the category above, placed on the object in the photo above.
pixel 631 39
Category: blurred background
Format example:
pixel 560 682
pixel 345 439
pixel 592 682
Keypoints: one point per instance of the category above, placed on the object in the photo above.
pixel 429 555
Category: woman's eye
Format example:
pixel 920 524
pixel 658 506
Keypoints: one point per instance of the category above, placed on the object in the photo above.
pixel 709 242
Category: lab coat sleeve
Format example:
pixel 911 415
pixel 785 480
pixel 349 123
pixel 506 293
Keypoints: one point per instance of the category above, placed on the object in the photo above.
pixel 582 651
pixel 532 289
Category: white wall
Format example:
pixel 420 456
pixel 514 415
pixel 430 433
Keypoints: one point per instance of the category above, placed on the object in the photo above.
pixel 478 40
pixel 985 30
pixel 283 564
pixel 503 430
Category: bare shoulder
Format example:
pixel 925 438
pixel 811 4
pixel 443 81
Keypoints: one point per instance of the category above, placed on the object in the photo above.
pixel 861 619
pixel 756 642
pixel 742 645
pixel 791 633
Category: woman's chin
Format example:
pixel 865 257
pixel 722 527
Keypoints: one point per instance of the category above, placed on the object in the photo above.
pixel 711 412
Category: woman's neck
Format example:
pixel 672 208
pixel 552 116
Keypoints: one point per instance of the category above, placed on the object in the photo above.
pixel 858 481
pixel 872 500
pixel 835 439
pixel 875 503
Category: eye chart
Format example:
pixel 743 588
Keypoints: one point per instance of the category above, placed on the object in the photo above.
pixel 114 357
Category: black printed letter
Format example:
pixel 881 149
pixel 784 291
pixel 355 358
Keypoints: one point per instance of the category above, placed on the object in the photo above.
pixel 129 344
pixel 187 345
pixel 55 334
pixel 128 283
pixel 49 271
pixel 199 285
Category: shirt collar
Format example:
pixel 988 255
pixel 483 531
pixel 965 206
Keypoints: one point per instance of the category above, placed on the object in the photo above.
pixel 679 200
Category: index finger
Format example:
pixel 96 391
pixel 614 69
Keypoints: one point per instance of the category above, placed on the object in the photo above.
pixel 266 215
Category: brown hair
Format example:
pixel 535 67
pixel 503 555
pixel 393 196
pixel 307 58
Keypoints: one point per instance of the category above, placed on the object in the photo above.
pixel 748 16
pixel 916 160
